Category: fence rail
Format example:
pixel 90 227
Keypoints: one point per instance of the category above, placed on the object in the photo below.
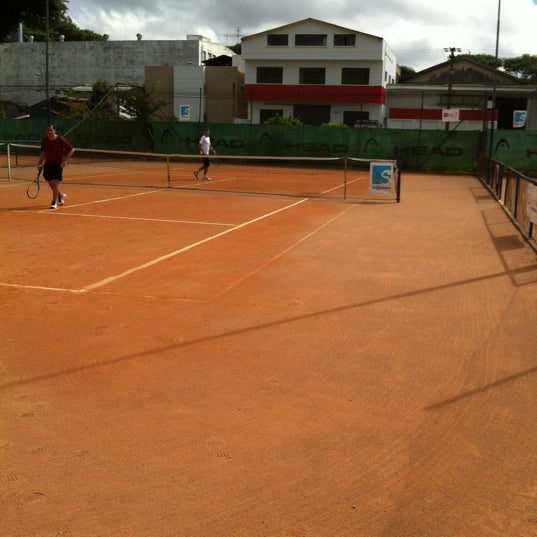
pixel 516 193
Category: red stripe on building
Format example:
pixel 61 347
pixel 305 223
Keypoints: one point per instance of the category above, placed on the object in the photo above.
pixel 435 114
pixel 315 94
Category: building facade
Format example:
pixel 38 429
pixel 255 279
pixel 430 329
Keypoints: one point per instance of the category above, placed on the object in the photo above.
pixel 317 72
pixel 468 90
pixel 24 73
pixel 211 93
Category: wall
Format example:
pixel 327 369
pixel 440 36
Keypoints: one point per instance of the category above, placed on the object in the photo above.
pixel 161 79
pixel 224 93
pixel 22 65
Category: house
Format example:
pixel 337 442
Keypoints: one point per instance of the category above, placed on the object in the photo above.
pixel 317 72
pixel 465 88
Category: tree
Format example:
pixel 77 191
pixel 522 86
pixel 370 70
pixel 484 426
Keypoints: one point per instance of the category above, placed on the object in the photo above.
pixel 32 14
pixel 140 103
pixel 405 72
pixel 101 101
pixel 524 67
pixel 488 60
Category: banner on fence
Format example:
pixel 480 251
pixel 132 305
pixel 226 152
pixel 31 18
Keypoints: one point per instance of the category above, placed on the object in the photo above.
pixel 519 119
pixel 381 177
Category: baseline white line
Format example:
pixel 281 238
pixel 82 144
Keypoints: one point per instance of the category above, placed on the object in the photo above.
pixel 106 200
pixel 65 213
pixel 40 287
pixel 186 248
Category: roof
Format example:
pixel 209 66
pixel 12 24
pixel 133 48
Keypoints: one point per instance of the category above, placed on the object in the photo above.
pixel 308 19
pixel 222 60
pixel 465 71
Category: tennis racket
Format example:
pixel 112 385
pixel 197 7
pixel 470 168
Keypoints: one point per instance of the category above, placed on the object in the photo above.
pixel 33 188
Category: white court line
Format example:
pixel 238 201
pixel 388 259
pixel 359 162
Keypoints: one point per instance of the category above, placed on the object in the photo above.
pixel 137 218
pixel 48 211
pixel 143 266
pixel 40 287
pixel 106 200
pixel 281 254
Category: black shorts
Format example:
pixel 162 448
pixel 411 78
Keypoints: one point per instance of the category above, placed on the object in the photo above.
pixel 206 162
pixel 52 172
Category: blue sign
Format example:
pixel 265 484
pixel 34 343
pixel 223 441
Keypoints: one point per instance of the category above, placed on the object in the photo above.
pixel 519 119
pixel 381 177
pixel 184 112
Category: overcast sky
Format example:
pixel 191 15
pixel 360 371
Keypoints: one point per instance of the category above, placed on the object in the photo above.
pixel 416 30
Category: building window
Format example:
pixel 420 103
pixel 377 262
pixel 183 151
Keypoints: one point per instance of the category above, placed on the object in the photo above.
pixel 311 75
pixel 266 113
pixel 310 40
pixel 277 40
pixel 344 40
pixel 355 75
pixel 356 118
pixel 269 75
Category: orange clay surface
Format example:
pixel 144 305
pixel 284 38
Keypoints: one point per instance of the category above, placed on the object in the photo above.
pixel 178 363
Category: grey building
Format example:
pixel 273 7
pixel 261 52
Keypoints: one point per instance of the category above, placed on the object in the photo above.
pixel 23 69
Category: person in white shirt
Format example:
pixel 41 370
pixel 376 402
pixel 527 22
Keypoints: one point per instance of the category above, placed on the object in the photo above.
pixel 206 149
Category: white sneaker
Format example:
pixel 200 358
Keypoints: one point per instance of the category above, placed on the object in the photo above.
pixel 196 174
pixel 53 205
pixel 206 178
pixel 61 199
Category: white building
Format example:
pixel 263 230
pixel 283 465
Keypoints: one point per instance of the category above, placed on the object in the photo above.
pixel 317 72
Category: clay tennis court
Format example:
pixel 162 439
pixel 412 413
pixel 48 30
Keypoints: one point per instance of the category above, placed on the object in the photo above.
pixel 184 363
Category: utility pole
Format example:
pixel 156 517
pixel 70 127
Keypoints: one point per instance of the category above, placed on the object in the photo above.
pixel 494 83
pixel 451 51
pixel 47 81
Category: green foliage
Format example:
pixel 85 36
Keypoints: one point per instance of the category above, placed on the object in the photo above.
pixel 106 101
pixel 32 14
pixel 406 72
pixel 286 121
pixel 335 125
pixel 524 67
pixel 488 60
pixel 140 103
pixel 101 102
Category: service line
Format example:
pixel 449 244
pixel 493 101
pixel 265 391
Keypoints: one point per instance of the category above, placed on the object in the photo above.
pixel 143 266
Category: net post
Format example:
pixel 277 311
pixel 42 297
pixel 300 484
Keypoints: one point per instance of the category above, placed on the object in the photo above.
pixel 398 187
pixel 345 165
pixel 168 169
pixel 9 160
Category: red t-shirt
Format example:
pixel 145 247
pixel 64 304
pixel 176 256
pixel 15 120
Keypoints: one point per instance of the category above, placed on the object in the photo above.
pixel 55 150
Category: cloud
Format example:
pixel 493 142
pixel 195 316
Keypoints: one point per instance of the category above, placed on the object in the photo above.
pixel 417 30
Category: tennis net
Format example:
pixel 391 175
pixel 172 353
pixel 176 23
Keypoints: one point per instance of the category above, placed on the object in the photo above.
pixel 337 178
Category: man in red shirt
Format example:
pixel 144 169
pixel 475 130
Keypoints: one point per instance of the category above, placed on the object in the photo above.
pixel 55 153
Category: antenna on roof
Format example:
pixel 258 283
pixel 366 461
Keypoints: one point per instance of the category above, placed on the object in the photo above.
pixel 237 36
